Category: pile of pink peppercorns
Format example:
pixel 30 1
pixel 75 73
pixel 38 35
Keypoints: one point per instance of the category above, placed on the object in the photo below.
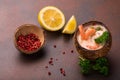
pixel 29 42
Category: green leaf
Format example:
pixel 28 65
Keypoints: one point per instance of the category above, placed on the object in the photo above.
pixel 104 70
pixel 102 61
pixel 103 38
pixel 100 65
pixel 96 67
pixel 85 66
pixel 98 28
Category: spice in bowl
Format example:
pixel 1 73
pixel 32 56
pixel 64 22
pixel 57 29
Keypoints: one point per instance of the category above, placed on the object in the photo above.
pixel 29 38
pixel 29 42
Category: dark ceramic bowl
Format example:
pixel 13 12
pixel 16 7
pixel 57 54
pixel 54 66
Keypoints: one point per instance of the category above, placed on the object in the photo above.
pixel 93 54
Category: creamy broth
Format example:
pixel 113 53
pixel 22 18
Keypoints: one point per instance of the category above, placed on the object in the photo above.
pixel 90 41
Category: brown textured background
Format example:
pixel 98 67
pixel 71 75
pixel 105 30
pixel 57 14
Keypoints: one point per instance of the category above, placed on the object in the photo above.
pixel 15 66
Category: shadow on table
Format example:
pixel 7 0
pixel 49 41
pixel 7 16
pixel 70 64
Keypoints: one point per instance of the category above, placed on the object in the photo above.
pixel 68 37
pixel 52 35
pixel 33 57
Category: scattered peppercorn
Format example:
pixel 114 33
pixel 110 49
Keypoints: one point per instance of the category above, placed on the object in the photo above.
pixel 46 66
pixel 51 61
pixel 54 46
pixel 72 51
pixel 56 59
pixel 49 73
pixel 63 52
pixel 51 58
pixel 62 71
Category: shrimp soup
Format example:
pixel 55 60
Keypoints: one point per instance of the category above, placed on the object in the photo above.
pixel 91 37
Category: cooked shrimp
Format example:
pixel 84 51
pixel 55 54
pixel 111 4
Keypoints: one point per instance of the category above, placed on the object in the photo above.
pixel 82 32
pixel 85 35
pixel 89 33
pixel 93 47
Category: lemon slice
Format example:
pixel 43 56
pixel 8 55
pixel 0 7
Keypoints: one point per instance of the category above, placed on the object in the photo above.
pixel 70 27
pixel 51 18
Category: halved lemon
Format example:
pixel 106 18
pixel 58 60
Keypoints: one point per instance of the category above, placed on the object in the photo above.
pixel 51 18
pixel 70 27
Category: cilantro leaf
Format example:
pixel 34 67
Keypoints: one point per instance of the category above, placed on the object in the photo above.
pixel 103 38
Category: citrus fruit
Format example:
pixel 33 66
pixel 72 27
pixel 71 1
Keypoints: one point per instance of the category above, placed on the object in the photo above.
pixel 70 27
pixel 51 18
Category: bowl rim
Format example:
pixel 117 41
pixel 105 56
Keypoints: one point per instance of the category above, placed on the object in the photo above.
pixel 24 51
pixel 93 54
pixel 93 23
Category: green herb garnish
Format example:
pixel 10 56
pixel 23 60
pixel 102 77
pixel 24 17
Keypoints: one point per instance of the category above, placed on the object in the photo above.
pixel 85 65
pixel 100 65
pixel 103 38
pixel 98 28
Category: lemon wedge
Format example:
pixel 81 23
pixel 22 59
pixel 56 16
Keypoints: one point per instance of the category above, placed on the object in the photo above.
pixel 70 27
pixel 51 18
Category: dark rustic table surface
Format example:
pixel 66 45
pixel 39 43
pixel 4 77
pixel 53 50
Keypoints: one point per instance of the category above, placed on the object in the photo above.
pixel 16 66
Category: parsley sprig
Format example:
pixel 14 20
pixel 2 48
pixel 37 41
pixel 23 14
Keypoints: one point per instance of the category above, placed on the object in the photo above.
pixel 100 65
pixel 103 38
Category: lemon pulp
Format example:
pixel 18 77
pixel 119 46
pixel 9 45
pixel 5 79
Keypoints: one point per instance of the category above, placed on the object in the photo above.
pixel 70 27
pixel 51 18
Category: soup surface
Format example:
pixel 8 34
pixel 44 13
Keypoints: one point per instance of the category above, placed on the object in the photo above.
pixel 89 41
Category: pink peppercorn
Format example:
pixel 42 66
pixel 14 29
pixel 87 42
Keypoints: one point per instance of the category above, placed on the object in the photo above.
pixel 29 42
pixel 72 51
pixel 62 71
pixel 54 46
pixel 63 52
pixel 49 73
